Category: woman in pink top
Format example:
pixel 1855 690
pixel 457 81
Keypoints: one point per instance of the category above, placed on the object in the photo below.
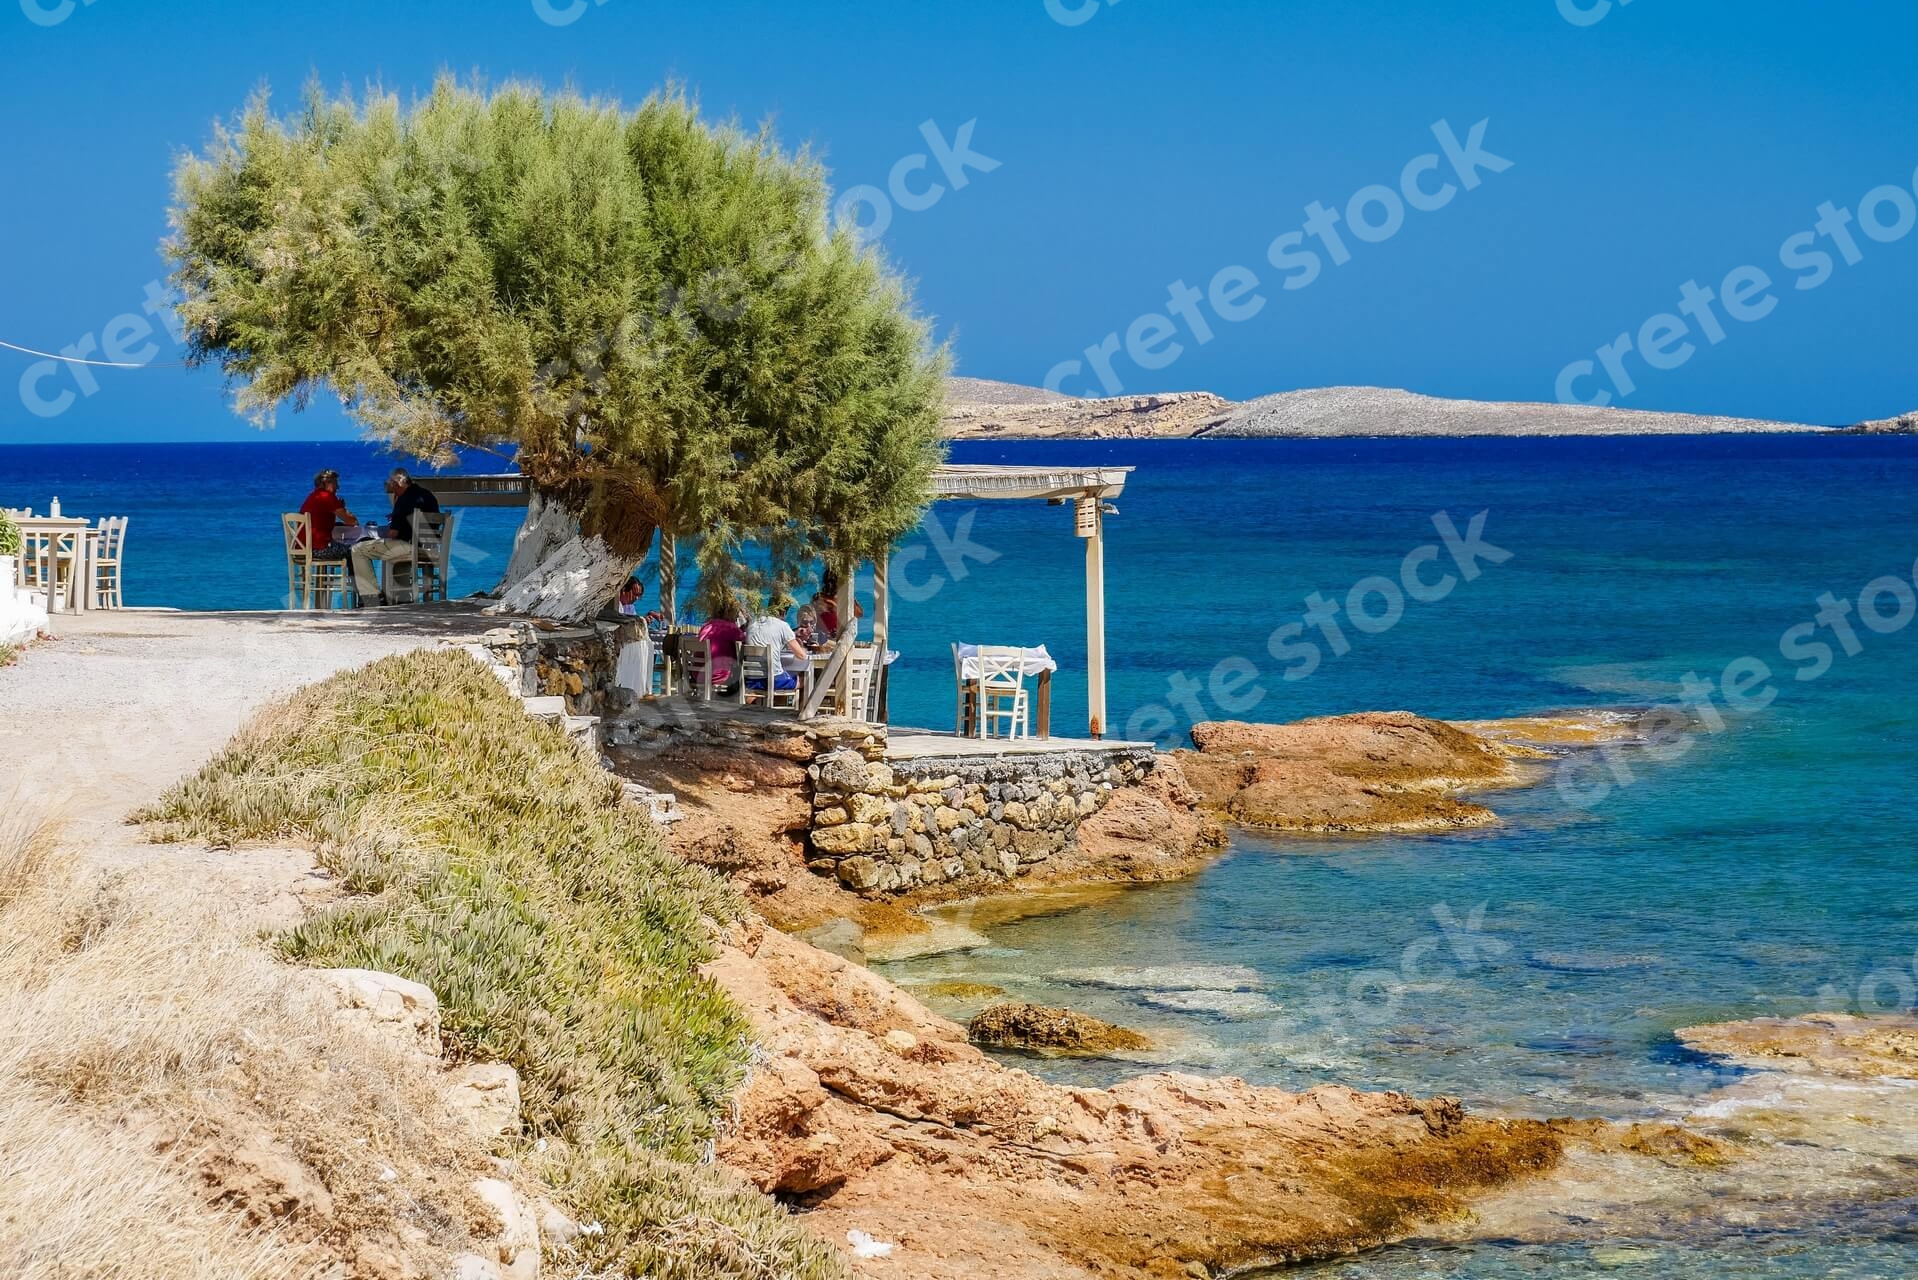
pixel 723 638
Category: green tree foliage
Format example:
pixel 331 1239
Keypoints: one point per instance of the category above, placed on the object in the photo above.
pixel 653 311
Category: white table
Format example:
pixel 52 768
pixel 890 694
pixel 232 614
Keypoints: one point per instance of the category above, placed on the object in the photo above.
pixel 1032 662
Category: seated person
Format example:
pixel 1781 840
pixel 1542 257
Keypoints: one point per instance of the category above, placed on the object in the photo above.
pixel 825 607
pixel 772 631
pixel 806 627
pixel 324 510
pixel 723 638
pixel 629 597
pixel 396 539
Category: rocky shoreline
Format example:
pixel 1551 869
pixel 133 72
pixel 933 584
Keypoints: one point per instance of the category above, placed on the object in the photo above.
pixel 876 1115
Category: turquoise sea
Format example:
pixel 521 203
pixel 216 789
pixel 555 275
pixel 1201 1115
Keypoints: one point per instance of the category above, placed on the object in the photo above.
pixel 1539 967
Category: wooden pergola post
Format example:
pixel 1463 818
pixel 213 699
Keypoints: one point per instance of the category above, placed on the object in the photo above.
pixel 1089 518
pixel 876 698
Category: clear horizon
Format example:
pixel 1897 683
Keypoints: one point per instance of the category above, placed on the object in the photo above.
pixel 1134 189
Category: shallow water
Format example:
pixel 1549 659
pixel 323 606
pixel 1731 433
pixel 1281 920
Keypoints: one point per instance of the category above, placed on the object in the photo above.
pixel 1539 967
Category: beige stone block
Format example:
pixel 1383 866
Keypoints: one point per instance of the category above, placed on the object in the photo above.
pixel 853 837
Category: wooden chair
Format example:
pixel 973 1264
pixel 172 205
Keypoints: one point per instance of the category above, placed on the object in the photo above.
pixel 33 560
pixel 430 566
pixel 861 664
pixel 49 559
pixel 110 537
pixel 309 579
pixel 1002 692
pixel 696 668
pixel 759 666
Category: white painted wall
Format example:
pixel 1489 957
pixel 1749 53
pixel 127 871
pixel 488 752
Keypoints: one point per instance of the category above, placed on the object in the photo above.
pixel 22 614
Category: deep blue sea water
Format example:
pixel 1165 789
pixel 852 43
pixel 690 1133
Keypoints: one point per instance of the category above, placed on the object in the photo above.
pixel 1770 870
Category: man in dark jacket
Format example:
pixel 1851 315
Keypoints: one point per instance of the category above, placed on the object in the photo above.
pixel 396 539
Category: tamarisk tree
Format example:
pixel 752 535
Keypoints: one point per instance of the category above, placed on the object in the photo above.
pixel 651 312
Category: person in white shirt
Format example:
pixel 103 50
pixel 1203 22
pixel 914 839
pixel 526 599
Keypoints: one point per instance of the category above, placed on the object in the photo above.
pixel 772 631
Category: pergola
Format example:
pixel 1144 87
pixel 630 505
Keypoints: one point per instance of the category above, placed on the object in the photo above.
pixel 1088 490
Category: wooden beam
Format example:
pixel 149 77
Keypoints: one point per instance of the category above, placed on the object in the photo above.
pixel 841 677
pixel 838 665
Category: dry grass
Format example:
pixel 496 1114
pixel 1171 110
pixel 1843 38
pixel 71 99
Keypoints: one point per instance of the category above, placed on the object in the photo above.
pixel 152 1052
pixel 492 863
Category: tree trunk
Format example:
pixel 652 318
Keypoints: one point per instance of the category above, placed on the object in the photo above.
pixel 558 571
pixel 548 526
pixel 569 585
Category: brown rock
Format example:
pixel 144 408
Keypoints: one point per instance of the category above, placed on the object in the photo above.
pixel 1836 1044
pixel 859 874
pixel 1033 1026
pixel 1376 771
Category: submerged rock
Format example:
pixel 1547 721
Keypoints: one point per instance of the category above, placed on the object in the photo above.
pixel 964 990
pixel 1220 1004
pixel 1166 977
pixel 1589 961
pixel 1033 1026
pixel 1835 1044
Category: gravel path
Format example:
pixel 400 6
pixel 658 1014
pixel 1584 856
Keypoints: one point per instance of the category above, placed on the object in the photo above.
pixel 118 705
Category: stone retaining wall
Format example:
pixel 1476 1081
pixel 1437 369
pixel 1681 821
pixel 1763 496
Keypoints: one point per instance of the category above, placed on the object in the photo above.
pixel 574 663
pixel 887 827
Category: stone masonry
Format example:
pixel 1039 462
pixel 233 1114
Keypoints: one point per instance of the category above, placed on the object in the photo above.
pixel 890 826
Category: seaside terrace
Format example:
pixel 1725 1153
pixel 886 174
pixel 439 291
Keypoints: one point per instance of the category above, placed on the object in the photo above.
pixel 1088 491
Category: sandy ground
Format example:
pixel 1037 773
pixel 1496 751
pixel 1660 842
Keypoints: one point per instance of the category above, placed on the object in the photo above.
pixel 117 706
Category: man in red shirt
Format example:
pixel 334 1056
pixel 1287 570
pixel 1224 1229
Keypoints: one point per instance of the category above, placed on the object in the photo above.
pixel 323 508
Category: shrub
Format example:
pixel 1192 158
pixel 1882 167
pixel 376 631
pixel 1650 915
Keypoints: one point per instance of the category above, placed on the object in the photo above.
pixel 9 536
pixel 491 862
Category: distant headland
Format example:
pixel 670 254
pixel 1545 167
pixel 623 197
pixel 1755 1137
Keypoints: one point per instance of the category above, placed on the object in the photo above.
pixel 978 409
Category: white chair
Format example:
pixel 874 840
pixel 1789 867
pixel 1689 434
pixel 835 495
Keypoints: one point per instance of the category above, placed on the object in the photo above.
pixel 430 566
pixel 110 537
pixel 860 664
pixel 309 581
pixel 865 669
pixel 760 671
pixel 1002 692
pixel 696 667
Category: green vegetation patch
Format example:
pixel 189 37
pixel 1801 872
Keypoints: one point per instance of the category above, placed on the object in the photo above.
pixel 488 860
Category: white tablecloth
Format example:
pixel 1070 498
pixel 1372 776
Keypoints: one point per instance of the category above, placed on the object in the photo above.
pixel 1032 662
pixel 634 670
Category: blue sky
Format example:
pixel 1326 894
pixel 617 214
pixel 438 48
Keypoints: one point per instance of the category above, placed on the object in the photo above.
pixel 1153 141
